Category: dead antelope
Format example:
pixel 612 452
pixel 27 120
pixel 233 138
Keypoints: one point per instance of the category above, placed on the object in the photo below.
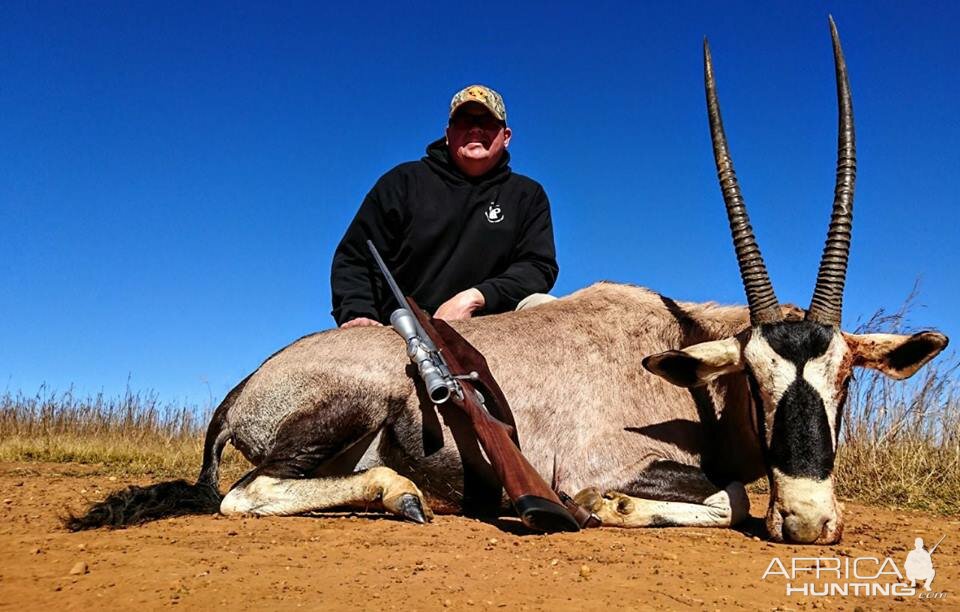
pixel 336 419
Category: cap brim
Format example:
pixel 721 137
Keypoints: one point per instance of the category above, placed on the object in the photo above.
pixel 454 110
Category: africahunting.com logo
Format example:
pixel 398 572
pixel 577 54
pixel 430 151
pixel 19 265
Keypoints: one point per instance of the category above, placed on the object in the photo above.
pixel 859 576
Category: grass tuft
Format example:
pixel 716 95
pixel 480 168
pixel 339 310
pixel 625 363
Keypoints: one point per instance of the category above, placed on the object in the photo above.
pixel 900 442
pixel 132 435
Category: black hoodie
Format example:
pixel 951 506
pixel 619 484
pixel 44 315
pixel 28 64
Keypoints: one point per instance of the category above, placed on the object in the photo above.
pixel 441 232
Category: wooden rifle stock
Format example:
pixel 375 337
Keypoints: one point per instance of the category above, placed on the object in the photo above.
pixel 525 487
pixel 539 507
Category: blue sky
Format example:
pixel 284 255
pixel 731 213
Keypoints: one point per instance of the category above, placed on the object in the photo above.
pixel 174 177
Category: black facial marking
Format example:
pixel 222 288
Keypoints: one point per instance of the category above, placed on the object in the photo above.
pixel 678 367
pixel 841 402
pixel 798 341
pixel 672 481
pixel 911 352
pixel 758 409
pixel 801 445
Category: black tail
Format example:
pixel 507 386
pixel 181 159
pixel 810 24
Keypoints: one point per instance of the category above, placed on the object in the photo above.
pixel 135 505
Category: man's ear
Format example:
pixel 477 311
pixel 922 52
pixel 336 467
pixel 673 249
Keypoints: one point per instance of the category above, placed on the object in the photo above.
pixel 895 355
pixel 697 364
pixel 507 134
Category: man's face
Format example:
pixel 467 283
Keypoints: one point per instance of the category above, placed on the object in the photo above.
pixel 476 139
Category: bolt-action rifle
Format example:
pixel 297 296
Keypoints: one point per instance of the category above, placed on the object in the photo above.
pixel 453 370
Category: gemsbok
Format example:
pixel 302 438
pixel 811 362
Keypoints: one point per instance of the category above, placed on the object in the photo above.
pixel 728 394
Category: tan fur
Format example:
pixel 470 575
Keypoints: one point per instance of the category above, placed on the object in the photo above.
pixel 872 350
pixel 570 368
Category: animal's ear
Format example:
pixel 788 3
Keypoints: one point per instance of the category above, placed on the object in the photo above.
pixel 697 364
pixel 895 355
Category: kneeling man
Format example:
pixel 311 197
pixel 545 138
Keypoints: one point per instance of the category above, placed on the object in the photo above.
pixel 462 233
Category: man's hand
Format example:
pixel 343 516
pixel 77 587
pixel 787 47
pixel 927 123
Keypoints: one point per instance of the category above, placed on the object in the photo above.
pixel 361 322
pixel 460 306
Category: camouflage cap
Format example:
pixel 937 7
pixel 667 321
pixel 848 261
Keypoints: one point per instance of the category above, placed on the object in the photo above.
pixel 482 94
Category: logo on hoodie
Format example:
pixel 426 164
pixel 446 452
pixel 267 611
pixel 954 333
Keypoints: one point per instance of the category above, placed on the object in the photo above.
pixel 494 214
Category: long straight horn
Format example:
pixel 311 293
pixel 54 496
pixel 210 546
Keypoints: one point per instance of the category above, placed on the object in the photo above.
pixel 763 303
pixel 827 302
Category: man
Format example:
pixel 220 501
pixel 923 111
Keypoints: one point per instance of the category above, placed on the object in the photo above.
pixel 461 232
pixel 919 565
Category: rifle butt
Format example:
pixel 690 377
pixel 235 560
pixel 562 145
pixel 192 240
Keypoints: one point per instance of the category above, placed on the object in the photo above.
pixel 537 505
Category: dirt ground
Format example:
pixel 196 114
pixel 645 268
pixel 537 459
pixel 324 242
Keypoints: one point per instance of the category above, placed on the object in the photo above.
pixel 355 562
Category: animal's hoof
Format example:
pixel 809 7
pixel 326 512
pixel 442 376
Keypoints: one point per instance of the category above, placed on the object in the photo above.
pixel 411 508
pixel 590 499
pixel 622 503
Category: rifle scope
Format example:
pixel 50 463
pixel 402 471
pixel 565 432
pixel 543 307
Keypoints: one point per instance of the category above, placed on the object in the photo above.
pixel 419 353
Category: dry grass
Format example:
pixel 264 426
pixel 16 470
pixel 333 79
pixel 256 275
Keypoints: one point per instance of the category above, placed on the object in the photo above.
pixel 133 434
pixel 900 442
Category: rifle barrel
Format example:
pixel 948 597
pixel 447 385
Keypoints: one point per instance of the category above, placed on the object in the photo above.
pixel 437 374
pixel 401 299
pixel 937 544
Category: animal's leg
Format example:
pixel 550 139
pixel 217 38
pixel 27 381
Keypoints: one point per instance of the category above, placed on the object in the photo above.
pixel 310 462
pixel 262 494
pixel 669 494
pixel 723 509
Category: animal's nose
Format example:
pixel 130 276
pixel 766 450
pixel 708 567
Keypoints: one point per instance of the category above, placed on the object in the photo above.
pixel 804 529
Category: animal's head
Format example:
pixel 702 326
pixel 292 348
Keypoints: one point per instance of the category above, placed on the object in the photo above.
pixel 798 371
